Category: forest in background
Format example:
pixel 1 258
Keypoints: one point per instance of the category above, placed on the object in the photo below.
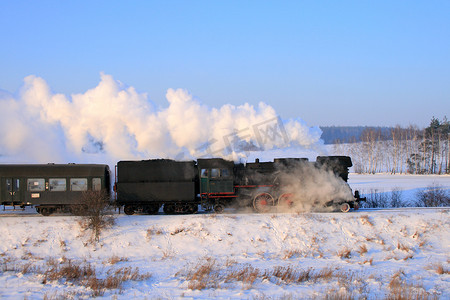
pixel 396 150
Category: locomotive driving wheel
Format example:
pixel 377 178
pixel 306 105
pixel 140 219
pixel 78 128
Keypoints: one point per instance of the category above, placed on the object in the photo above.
pixel 285 200
pixel 345 207
pixel 263 202
pixel 218 208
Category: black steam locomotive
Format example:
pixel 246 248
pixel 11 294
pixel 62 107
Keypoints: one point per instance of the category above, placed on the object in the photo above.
pixel 181 186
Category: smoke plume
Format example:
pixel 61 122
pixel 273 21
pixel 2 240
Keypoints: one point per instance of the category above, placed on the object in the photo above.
pixel 114 122
pixel 310 188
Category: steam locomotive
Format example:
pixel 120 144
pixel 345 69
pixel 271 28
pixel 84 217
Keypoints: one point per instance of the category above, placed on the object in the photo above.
pixel 182 186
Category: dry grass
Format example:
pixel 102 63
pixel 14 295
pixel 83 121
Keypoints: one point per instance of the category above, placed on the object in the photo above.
pixel 292 253
pixel 178 230
pixel 209 275
pixel 344 253
pixel 28 267
pixel 366 221
pixel 440 269
pixel 403 247
pixel 401 290
pixel 288 275
pixel 85 275
pixel 153 231
pixel 203 275
pixel 115 259
pixel 370 262
pixel 167 254
pixel 362 249
pixel 409 256
pixel 247 275
pixel 230 262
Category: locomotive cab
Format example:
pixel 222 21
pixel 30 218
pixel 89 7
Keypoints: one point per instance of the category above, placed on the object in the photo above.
pixel 216 176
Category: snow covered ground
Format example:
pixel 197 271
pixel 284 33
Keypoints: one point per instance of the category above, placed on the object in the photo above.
pixel 374 254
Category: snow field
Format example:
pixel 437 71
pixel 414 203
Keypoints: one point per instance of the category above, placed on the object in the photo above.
pixel 372 254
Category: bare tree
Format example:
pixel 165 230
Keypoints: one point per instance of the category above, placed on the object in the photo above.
pixel 94 209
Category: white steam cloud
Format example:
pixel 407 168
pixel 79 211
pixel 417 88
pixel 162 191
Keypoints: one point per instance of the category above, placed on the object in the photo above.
pixel 113 122
pixel 312 188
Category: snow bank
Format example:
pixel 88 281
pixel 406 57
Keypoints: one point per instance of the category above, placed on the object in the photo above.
pixel 265 256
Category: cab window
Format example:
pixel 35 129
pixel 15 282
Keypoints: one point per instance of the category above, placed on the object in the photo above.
pixel 224 173
pixel 215 173
pixel 204 173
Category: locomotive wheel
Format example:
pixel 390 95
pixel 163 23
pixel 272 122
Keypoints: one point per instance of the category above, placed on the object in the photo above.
pixel 218 208
pixel 345 207
pixel 169 209
pixel 128 209
pixel 46 211
pixel 193 208
pixel 263 202
pixel 285 200
pixel 151 209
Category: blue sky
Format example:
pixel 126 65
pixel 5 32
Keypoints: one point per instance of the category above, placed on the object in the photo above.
pixel 326 62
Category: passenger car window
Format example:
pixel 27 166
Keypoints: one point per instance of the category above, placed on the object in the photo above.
pixel 57 184
pixel 96 184
pixel 36 184
pixel 78 184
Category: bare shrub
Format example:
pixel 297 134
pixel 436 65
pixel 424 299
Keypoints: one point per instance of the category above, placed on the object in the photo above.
pixel 433 196
pixel 94 211
pixel 375 199
pixel 396 198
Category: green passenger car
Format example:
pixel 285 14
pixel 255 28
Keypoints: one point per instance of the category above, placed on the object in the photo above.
pixel 51 187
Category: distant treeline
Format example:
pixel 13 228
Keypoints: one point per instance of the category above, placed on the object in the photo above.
pixel 350 134
pixel 397 149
